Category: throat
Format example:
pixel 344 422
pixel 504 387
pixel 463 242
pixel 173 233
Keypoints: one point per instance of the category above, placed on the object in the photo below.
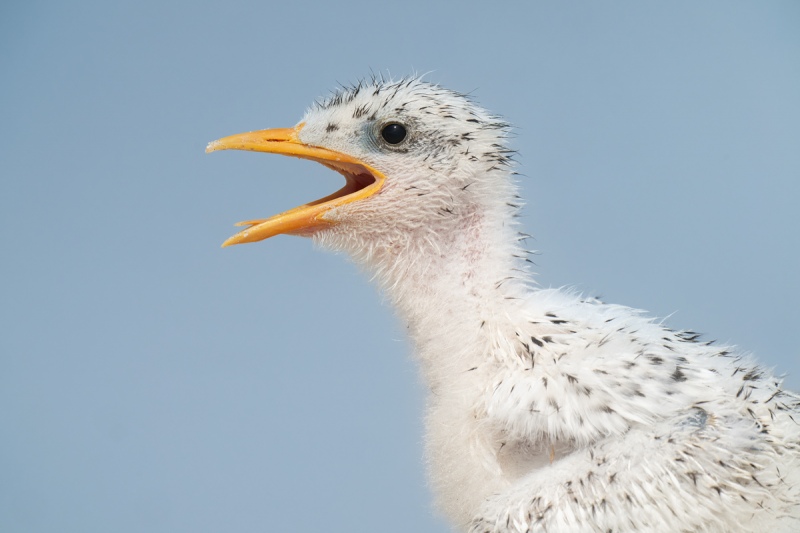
pixel 456 280
pixel 456 293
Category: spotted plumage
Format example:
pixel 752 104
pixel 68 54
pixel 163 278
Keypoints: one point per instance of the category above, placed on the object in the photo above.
pixel 546 412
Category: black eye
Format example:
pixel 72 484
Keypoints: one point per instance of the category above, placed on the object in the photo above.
pixel 393 133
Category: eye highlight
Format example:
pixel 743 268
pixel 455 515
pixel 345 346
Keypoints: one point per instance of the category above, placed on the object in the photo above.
pixel 394 133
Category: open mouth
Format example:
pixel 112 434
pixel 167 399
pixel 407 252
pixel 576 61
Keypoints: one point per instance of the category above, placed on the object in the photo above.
pixel 362 181
pixel 357 176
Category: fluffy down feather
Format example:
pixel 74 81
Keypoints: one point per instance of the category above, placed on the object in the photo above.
pixel 547 412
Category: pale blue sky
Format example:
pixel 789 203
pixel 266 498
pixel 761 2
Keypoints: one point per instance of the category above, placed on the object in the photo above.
pixel 151 381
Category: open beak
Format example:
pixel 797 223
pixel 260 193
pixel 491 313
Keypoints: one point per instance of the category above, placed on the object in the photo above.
pixel 362 182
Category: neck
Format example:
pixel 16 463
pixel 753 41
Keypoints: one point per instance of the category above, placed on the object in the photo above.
pixel 459 287
pixel 455 297
pixel 455 289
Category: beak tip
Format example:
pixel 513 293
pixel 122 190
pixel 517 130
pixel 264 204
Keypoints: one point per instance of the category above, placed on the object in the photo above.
pixel 230 241
pixel 213 146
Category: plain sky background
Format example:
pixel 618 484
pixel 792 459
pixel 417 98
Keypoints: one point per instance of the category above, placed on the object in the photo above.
pixel 151 381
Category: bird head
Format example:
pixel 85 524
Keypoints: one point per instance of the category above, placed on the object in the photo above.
pixel 418 161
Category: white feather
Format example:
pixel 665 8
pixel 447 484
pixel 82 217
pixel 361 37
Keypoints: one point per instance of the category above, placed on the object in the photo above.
pixel 547 412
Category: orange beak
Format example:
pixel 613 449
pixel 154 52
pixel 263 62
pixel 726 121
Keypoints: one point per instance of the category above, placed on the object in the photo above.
pixel 362 182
